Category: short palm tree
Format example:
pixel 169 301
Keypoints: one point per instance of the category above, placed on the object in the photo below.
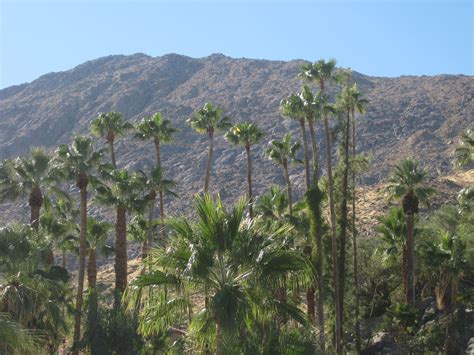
pixel 392 229
pixel 407 184
pixel 122 190
pixel 28 176
pixel 97 234
pixel 110 126
pixel 293 107
pixel 152 183
pixel 246 134
pixel 283 153
pixel 208 120
pixel 79 162
pixel 464 152
pixel 237 263
pixel 161 131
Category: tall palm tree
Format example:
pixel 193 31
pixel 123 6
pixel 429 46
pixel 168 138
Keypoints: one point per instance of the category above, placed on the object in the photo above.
pixel 122 191
pixel 110 126
pixel 161 131
pixel 292 107
pixel 283 153
pixel 151 184
pixel 358 105
pixel 407 184
pixel 28 176
pixel 246 134
pixel 323 73
pixel 78 162
pixel 464 152
pixel 311 108
pixel 208 120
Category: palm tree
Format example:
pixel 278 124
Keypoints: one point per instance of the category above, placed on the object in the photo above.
pixel 161 131
pixel 110 126
pixel 78 162
pixel 122 191
pixel 283 153
pixel 464 152
pixel 358 104
pixel 97 233
pixel 151 184
pixel 292 107
pixel 208 120
pixel 246 134
pixel 311 108
pixel 236 261
pixel 323 73
pixel 407 183
pixel 272 205
pixel 392 229
pixel 28 176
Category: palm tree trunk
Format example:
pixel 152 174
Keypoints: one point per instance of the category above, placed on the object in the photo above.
pixel 209 161
pixel 63 261
pixel 151 213
pixel 92 269
pixel 249 179
pixel 110 140
pixel 334 243
pixel 305 153
pixel 344 220
pixel 82 184
pixel 288 186
pixel 314 147
pixel 307 251
pixel 410 295
pixel 120 254
pixel 35 201
pixel 404 269
pixel 354 242
pixel 162 201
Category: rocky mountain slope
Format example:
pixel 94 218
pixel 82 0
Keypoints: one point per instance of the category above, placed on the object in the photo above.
pixel 406 116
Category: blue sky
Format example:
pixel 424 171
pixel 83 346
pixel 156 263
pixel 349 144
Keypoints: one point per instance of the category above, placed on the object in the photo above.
pixel 379 37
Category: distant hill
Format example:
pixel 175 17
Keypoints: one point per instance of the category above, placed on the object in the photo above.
pixel 406 116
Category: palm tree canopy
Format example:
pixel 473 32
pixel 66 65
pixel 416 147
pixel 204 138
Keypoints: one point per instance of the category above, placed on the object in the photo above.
pixel 121 188
pixel 292 107
pixel 155 126
pixel 464 152
pixel 244 133
pixel 209 119
pixel 76 159
pixel 155 181
pixel 97 233
pixel 318 71
pixel 408 178
pixel 284 150
pixel 110 125
pixel 349 99
pixel 20 176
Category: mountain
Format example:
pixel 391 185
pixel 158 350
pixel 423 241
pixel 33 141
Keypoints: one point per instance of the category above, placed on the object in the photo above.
pixel 406 116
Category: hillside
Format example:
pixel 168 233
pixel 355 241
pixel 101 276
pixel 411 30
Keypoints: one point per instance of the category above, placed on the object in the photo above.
pixel 418 116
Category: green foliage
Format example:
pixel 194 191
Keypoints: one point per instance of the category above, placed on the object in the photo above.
pixel 209 119
pixel 464 152
pixel 110 125
pixel 155 127
pixel 244 133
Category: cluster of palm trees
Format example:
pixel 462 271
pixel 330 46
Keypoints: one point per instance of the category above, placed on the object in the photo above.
pixel 221 280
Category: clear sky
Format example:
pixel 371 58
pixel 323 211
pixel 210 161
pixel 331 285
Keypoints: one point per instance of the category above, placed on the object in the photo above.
pixel 378 37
